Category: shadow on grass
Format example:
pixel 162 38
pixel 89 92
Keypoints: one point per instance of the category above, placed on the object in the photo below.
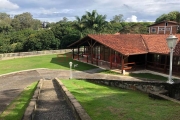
pixel 64 59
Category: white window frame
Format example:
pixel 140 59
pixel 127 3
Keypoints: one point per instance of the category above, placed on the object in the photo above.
pixel 153 30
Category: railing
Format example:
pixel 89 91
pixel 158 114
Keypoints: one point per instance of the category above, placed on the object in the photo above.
pixel 128 66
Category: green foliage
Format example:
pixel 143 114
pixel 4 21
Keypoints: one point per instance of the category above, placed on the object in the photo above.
pixel 171 16
pixel 69 39
pixel 23 33
pixel 117 19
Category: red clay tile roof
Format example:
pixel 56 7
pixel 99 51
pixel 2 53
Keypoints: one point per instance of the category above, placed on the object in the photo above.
pixel 158 44
pixel 130 44
pixel 177 48
pixel 126 44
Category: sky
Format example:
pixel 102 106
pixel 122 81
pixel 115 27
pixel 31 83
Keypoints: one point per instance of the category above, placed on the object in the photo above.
pixel 55 10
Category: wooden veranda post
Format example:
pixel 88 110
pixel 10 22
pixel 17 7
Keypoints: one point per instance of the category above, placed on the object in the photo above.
pixel 96 56
pixel 122 64
pixel 91 54
pixel 110 59
pixel 73 52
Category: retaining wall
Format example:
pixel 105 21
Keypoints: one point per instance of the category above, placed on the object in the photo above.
pixel 33 53
pixel 171 90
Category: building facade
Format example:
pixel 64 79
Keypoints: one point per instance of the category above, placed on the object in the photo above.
pixel 128 51
pixel 164 27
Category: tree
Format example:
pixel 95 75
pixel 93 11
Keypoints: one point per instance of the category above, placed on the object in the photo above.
pixel 171 16
pixel 5 23
pixel 117 19
pixel 94 21
pixel 80 25
pixel 22 21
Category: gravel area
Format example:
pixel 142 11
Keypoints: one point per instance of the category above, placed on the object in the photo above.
pixel 52 104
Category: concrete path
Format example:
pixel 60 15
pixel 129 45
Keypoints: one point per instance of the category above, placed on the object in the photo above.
pixel 95 70
pixel 52 104
pixel 11 85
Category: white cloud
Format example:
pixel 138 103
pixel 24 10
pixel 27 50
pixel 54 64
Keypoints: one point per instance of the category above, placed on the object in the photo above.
pixel 6 4
pixel 133 18
pixel 147 10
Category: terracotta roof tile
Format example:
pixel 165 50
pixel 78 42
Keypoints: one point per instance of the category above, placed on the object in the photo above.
pixel 127 44
pixel 158 44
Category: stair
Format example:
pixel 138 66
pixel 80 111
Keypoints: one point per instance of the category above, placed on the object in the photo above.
pixel 52 104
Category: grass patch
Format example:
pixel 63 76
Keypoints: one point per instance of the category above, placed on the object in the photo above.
pixel 148 76
pixel 109 103
pixel 18 106
pixel 45 61
pixel 139 75
pixel 110 72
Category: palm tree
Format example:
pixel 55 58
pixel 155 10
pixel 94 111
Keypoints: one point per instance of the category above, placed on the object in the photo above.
pixel 80 25
pixel 94 20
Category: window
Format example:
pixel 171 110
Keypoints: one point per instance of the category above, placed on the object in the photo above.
pixel 156 58
pixel 161 29
pixel 168 29
pixel 153 30
pixel 178 61
pixel 166 24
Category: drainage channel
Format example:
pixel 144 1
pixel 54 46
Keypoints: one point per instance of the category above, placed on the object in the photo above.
pixel 52 104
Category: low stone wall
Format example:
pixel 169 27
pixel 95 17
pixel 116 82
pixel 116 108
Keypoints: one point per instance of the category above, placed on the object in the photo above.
pixel 33 53
pixel 81 114
pixel 171 90
pixel 29 113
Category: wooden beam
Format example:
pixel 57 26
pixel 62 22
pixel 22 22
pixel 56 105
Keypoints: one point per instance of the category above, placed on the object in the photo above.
pixel 87 57
pixel 110 59
pixel 94 44
pixel 84 50
pixel 73 53
pixel 92 55
pixel 122 64
pixel 96 56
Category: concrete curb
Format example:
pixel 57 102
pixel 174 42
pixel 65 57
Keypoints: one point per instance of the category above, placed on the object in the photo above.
pixel 29 113
pixel 79 110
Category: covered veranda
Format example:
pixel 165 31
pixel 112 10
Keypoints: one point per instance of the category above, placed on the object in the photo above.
pixel 99 50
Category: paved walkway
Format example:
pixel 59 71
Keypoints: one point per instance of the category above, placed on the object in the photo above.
pixel 11 85
pixel 52 104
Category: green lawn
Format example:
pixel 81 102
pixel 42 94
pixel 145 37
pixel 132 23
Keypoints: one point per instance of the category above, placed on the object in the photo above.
pixel 109 103
pixel 45 61
pixel 18 106
pixel 148 76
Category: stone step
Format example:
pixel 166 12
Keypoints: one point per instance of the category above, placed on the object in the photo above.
pixel 52 104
